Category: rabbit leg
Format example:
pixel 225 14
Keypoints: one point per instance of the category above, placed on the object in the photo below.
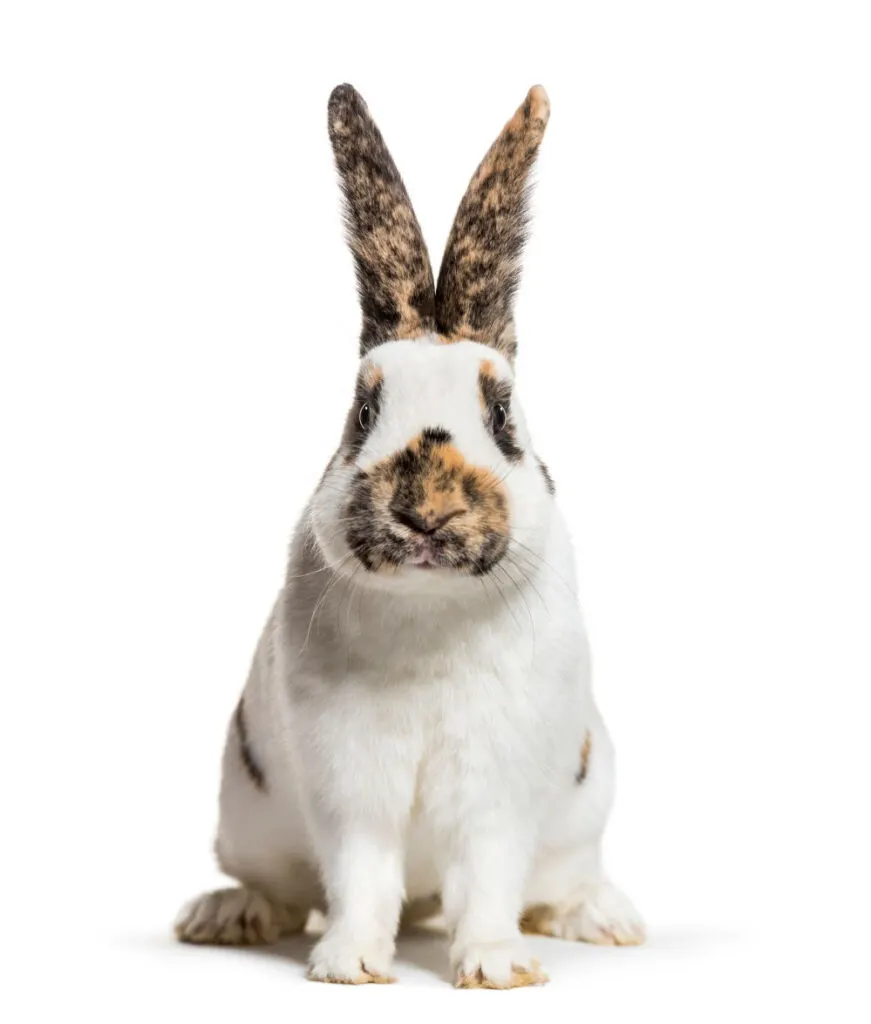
pixel 569 896
pixel 277 891
pixel 261 844
pixel 483 882
pixel 596 912
pixel 363 872
pixel 237 917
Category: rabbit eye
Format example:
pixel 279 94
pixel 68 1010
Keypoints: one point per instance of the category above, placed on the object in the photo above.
pixel 499 418
pixel 364 416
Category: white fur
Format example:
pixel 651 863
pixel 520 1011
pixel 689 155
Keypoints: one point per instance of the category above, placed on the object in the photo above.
pixel 420 731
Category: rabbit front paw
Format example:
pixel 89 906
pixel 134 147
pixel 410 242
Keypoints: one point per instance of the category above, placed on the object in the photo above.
pixel 496 965
pixel 350 960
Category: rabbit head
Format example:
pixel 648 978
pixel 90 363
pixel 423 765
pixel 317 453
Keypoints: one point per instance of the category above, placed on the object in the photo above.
pixel 435 475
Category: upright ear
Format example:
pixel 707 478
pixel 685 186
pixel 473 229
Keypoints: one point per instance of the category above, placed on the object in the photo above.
pixel 481 267
pixel 394 277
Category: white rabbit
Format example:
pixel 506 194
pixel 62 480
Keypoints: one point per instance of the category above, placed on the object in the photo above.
pixel 418 724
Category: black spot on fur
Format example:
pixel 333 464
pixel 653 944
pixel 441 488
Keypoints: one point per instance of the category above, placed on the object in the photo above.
pixel 581 773
pixel 471 489
pixel 548 479
pixel 493 549
pixel 435 435
pixel 252 767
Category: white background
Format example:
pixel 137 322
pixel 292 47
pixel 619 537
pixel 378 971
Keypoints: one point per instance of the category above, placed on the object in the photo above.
pixel 178 328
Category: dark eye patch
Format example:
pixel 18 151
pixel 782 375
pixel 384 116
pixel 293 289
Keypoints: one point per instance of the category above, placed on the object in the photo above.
pixel 368 395
pixel 496 400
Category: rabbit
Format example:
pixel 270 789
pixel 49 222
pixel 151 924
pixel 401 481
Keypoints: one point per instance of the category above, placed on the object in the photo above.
pixel 417 733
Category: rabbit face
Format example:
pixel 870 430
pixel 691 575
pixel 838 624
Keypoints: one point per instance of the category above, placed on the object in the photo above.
pixel 434 477
pixel 433 469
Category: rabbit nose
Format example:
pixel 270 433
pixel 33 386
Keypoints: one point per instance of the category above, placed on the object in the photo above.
pixel 427 522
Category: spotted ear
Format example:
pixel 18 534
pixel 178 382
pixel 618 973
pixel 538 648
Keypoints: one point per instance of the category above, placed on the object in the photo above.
pixel 394 277
pixel 481 267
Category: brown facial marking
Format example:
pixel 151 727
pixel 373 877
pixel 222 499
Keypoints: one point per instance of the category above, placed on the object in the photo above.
pixel 371 376
pixel 394 277
pixel 585 758
pixel 486 375
pixel 480 270
pixel 427 494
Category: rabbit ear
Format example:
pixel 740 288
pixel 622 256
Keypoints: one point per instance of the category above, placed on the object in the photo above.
pixel 481 267
pixel 394 277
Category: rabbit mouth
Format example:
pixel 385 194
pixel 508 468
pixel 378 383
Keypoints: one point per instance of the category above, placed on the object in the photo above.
pixel 426 556
pixel 380 556
pixel 424 560
pixel 380 543
pixel 377 543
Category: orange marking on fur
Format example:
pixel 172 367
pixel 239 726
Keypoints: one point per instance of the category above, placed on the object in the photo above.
pixel 438 503
pixel 371 376
pixel 488 370
pixel 450 456
pixel 537 920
